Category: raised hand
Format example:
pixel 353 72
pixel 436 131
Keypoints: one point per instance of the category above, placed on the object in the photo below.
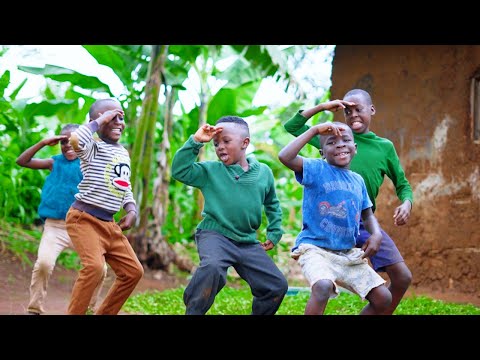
pixel 206 133
pixel 329 129
pixel 335 105
pixel 54 140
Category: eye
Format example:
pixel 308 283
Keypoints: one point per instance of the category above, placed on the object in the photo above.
pixel 215 144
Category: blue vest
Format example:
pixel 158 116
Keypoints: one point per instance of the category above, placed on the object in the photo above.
pixel 59 188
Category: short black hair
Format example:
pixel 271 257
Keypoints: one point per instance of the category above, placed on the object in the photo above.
pixel 93 112
pixel 237 121
pixel 362 93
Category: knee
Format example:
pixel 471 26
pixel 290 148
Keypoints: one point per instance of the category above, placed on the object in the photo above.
pixel 45 266
pixel 213 270
pixel 137 273
pixel 382 301
pixel 281 287
pixel 321 290
pixel 96 270
pixel 401 277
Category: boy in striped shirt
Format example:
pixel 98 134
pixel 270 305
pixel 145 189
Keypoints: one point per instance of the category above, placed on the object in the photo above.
pixel 104 190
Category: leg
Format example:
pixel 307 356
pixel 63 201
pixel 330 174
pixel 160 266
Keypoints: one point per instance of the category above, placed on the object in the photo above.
pixel 267 282
pixel 216 255
pixel 54 240
pixel 86 233
pixel 318 300
pixel 379 300
pixel 92 306
pixel 400 279
pixel 128 269
pixel 389 259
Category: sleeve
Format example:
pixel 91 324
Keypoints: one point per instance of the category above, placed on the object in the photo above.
pixel 273 211
pixel 366 202
pixel 86 143
pixel 184 167
pixel 397 175
pixel 297 126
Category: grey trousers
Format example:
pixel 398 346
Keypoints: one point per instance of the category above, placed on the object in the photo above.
pixel 217 254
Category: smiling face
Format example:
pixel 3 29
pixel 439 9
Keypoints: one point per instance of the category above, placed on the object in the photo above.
pixel 231 143
pixel 358 117
pixel 67 149
pixel 112 130
pixel 339 150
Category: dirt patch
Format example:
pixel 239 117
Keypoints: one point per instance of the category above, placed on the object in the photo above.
pixel 15 282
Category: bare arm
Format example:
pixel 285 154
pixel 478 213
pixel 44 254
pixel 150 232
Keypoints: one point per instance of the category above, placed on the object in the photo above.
pixel 26 158
pixel 333 105
pixel 370 222
pixel 289 154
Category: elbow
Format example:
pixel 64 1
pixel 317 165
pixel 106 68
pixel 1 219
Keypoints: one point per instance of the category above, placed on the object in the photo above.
pixel 282 157
pixel 288 128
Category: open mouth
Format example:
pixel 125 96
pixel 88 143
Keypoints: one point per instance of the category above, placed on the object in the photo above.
pixel 223 157
pixel 342 155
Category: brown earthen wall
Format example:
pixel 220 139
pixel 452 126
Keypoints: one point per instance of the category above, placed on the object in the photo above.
pixel 422 97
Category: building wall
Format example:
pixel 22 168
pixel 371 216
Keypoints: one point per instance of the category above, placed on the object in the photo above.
pixel 422 98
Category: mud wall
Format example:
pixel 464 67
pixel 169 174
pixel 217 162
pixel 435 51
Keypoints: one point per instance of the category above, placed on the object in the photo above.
pixel 422 97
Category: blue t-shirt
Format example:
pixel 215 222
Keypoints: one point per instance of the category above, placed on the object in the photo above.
pixel 333 200
pixel 59 188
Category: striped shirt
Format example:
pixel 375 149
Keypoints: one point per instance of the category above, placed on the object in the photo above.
pixel 106 171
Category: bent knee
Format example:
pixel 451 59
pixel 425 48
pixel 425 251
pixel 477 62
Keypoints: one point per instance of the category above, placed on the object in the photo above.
pixel 45 265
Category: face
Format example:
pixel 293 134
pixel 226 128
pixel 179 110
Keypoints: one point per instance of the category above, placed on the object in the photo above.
pixel 112 130
pixel 231 143
pixel 67 149
pixel 339 150
pixel 358 117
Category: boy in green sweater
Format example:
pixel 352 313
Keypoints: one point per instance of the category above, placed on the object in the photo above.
pixel 376 157
pixel 235 189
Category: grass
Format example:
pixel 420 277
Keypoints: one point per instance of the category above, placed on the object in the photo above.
pixel 231 301
pixel 23 244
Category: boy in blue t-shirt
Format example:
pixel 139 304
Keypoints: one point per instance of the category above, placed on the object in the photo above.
pixel 57 195
pixel 334 199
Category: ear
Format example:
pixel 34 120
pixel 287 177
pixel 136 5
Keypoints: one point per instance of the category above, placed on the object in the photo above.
pixel 245 143
pixel 372 109
pixel 321 153
pixel 355 149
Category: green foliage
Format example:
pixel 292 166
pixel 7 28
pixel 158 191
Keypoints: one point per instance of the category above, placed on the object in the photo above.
pixel 23 243
pixel 231 301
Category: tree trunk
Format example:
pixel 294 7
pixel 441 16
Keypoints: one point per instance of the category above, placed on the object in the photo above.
pixel 142 152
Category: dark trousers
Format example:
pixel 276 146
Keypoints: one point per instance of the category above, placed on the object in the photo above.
pixel 217 254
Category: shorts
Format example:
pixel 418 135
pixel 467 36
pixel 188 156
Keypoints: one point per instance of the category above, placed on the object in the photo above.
pixel 388 253
pixel 344 268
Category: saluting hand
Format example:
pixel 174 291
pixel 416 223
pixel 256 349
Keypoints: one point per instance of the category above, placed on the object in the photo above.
pixel 206 133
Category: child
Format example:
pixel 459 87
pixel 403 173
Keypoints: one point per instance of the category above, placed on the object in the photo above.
pixel 334 198
pixel 377 157
pixel 104 189
pixel 235 189
pixel 57 195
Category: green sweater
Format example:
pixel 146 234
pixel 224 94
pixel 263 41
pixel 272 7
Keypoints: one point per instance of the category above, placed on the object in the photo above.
pixel 375 158
pixel 233 197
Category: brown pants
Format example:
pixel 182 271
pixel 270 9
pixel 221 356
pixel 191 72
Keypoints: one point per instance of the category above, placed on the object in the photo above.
pixel 97 241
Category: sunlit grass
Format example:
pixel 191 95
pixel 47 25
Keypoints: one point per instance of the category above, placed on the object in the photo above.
pixel 232 301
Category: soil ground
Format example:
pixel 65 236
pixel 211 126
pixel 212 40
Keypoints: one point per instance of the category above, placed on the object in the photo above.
pixel 15 281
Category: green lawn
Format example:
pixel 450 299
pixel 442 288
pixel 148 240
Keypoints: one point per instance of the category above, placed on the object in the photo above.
pixel 232 301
